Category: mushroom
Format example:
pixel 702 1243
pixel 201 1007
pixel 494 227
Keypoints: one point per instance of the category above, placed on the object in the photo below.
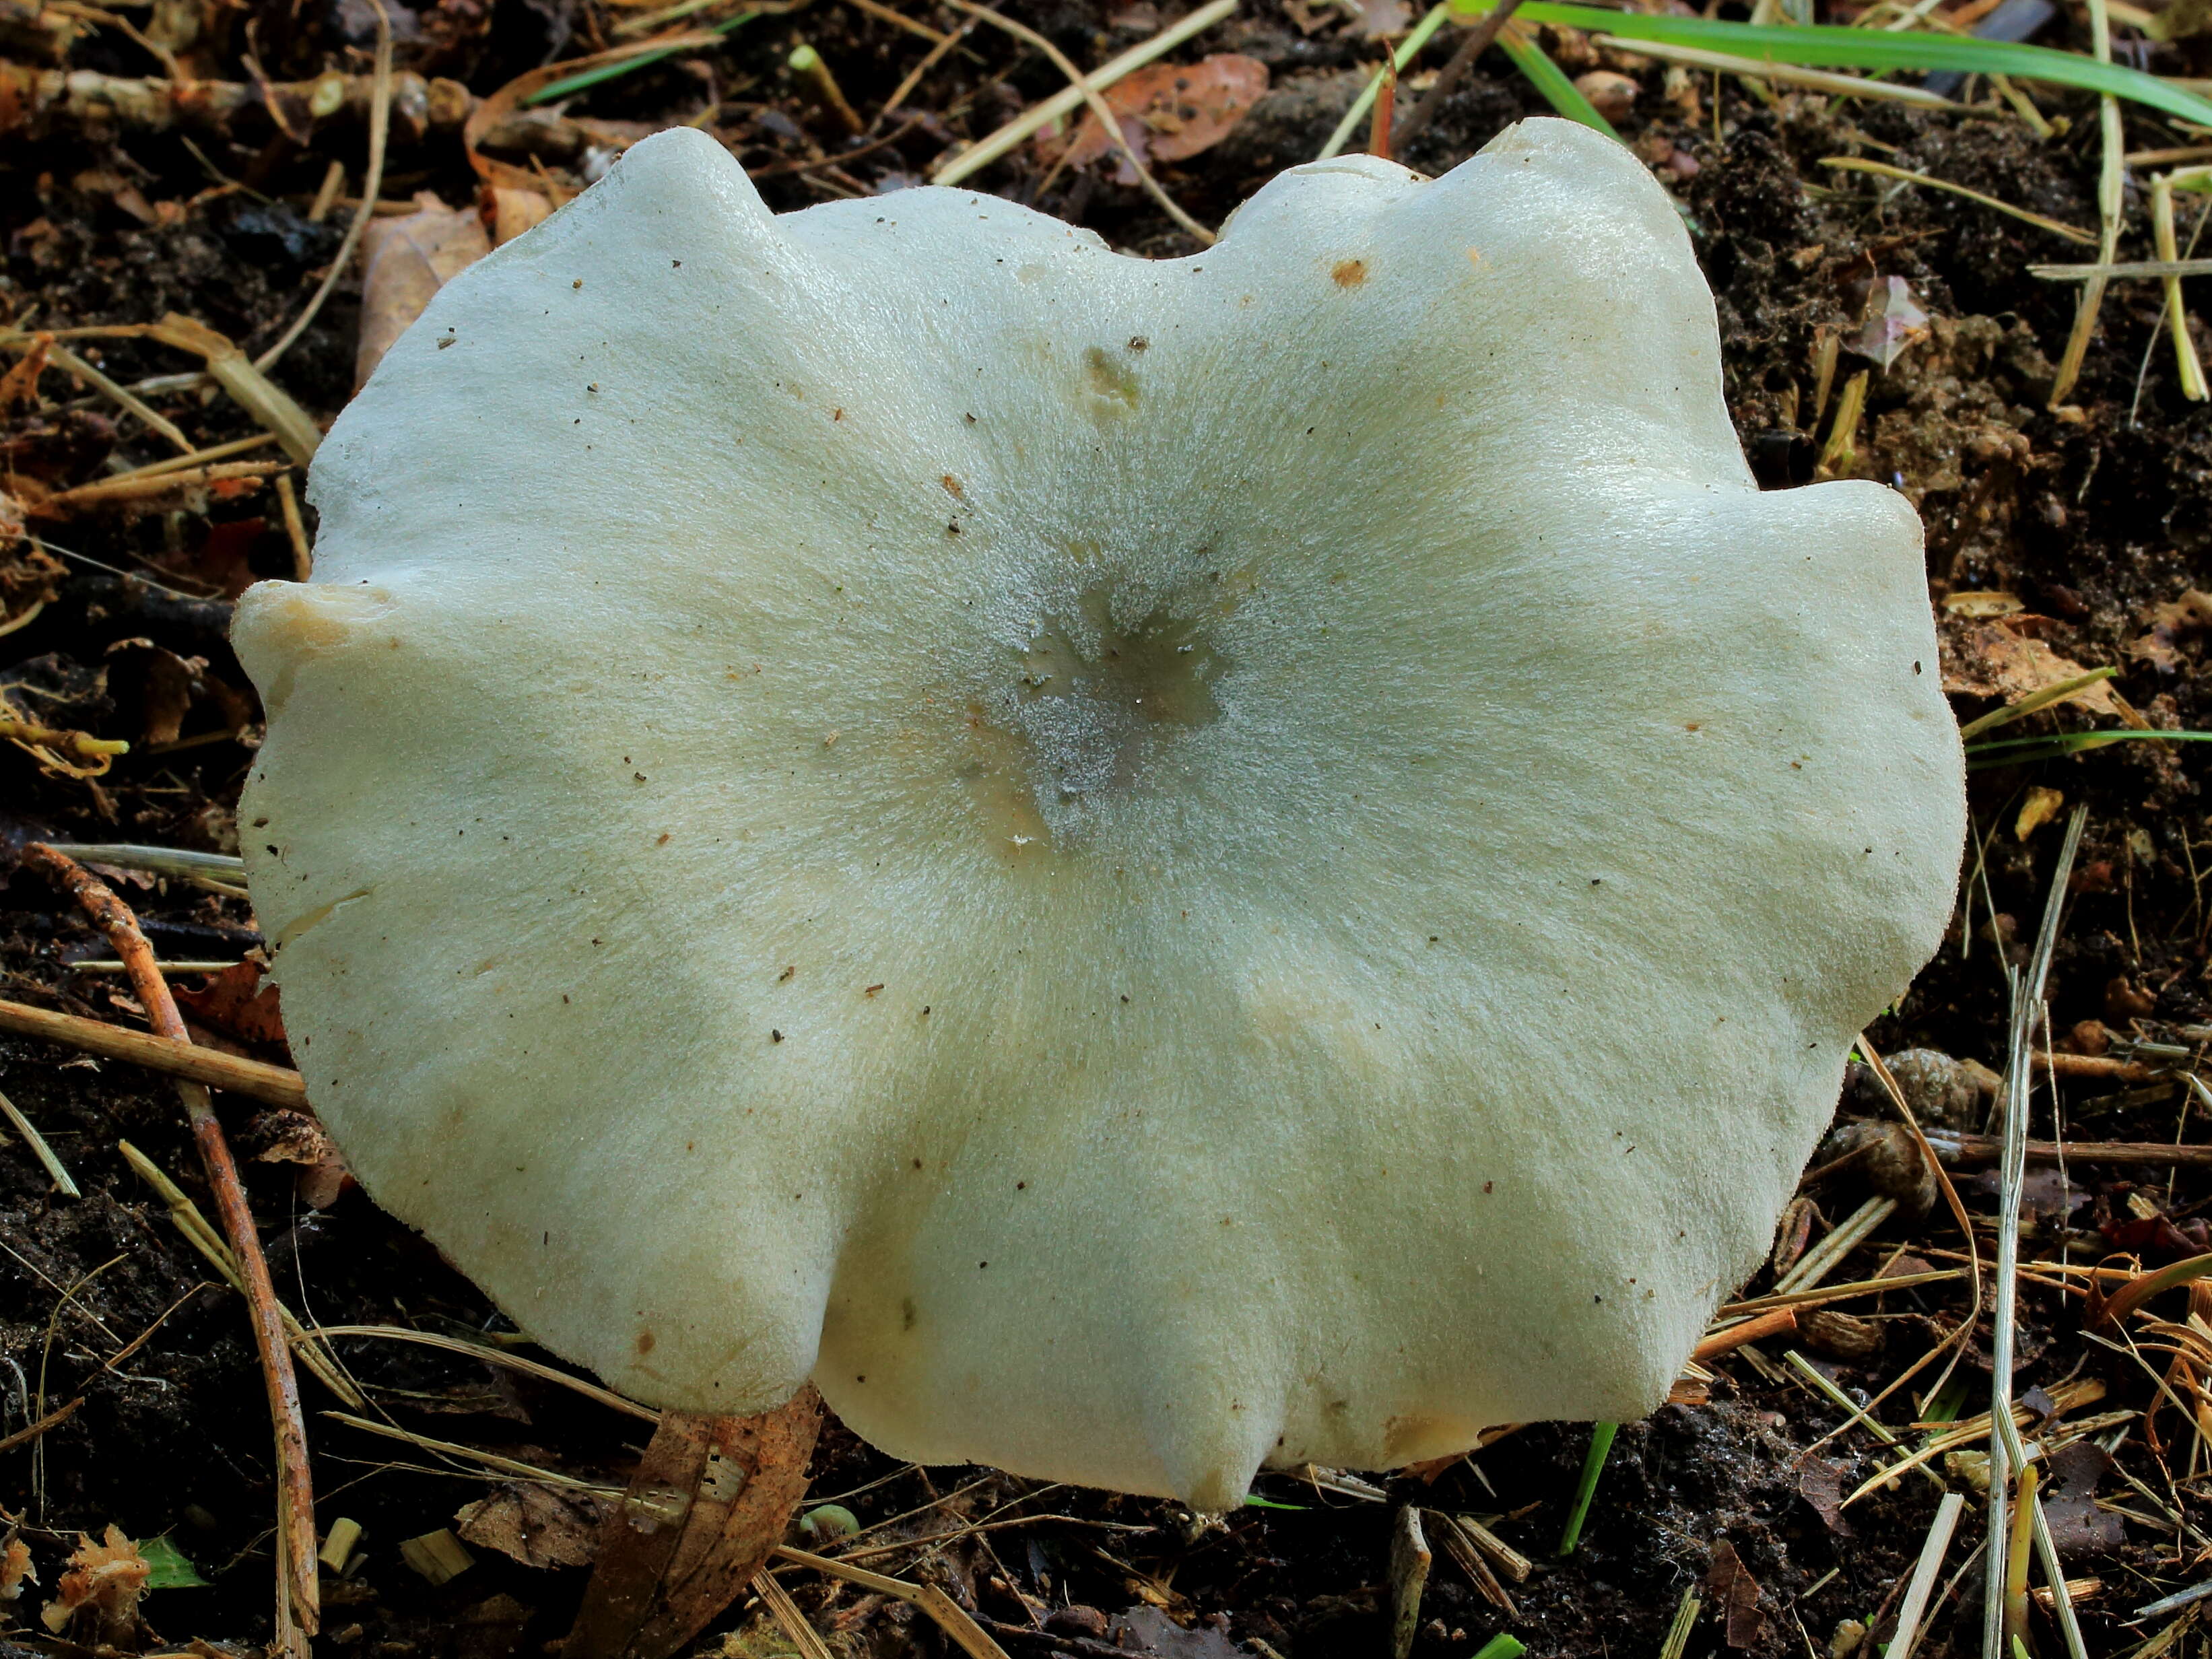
pixel 1144 868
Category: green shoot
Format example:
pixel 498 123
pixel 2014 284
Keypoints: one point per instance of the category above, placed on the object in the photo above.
pixel 569 85
pixel 1678 1633
pixel 1408 49
pixel 1828 47
pixel 1586 1488
pixel 2023 751
pixel 1548 78
pixel 1254 1501
pixel 1501 1646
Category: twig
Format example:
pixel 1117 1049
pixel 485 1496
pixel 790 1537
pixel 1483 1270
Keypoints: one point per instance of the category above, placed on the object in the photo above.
pixel 272 1086
pixel 1957 1148
pixel 202 1236
pixel 52 1420
pixel 295 1502
pixel 988 150
pixel 379 129
pixel 1106 118
pixel 1773 1322
pixel 1476 41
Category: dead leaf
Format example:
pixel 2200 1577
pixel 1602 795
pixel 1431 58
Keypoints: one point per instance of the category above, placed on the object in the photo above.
pixel 510 211
pixel 97 1599
pixel 710 1498
pixel 241 1001
pixel 2078 1527
pixel 2170 624
pixel 1820 1483
pixel 1995 660
pixel 167 683
pixel 1173 110
pixel 290 1137
pixel 1894 323
pixel 20 385
pixel 536 1525
pixel 405 261
pixel 1735 1594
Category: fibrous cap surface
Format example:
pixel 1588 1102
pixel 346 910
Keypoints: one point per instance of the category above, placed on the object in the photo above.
pixel 1146 869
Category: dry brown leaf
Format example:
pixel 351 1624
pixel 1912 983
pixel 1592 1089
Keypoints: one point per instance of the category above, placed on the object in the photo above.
pixel 710 1498
pixel 241 1001
pixel 1173 110
pixel 20 385
pixel 1735 1593
pixel 536 1525
pixel 403 261
pixel 512 211
pixel 97 1599
pixel 1984 658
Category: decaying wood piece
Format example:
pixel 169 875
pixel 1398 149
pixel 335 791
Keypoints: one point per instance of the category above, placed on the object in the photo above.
pixel 710 1499
pixel 34 103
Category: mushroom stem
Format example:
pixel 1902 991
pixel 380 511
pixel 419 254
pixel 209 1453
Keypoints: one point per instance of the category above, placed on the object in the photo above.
pixel 295 1498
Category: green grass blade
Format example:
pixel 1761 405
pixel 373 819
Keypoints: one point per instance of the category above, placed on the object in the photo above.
pixel 1501 1646
pixel 2023 751
pixel 569 85
pixel 1586 1488
pixel 1548 78
pixel 1823 45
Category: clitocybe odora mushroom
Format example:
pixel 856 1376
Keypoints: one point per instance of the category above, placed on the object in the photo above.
pixel 1143 868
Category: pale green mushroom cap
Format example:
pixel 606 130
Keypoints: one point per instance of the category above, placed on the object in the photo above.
pixel 1144 869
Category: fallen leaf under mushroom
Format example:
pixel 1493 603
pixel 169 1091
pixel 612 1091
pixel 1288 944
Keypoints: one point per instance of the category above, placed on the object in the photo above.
pixel 1171 111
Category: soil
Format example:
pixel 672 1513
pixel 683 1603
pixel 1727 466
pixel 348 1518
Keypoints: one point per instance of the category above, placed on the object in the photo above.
pixel 2080 528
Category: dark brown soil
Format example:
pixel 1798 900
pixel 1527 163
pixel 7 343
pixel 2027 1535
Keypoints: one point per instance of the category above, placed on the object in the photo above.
pixel 2092 516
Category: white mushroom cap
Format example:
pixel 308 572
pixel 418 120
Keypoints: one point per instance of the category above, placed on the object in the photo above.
pixel 1145 869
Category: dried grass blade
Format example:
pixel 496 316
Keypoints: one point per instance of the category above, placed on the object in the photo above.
pixel 1884 170
pixel 989 149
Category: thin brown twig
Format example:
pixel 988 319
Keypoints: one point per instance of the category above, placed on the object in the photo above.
pixel 52 1420
pixel 1477 42
pixel 295 1489
pixel 257 1080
